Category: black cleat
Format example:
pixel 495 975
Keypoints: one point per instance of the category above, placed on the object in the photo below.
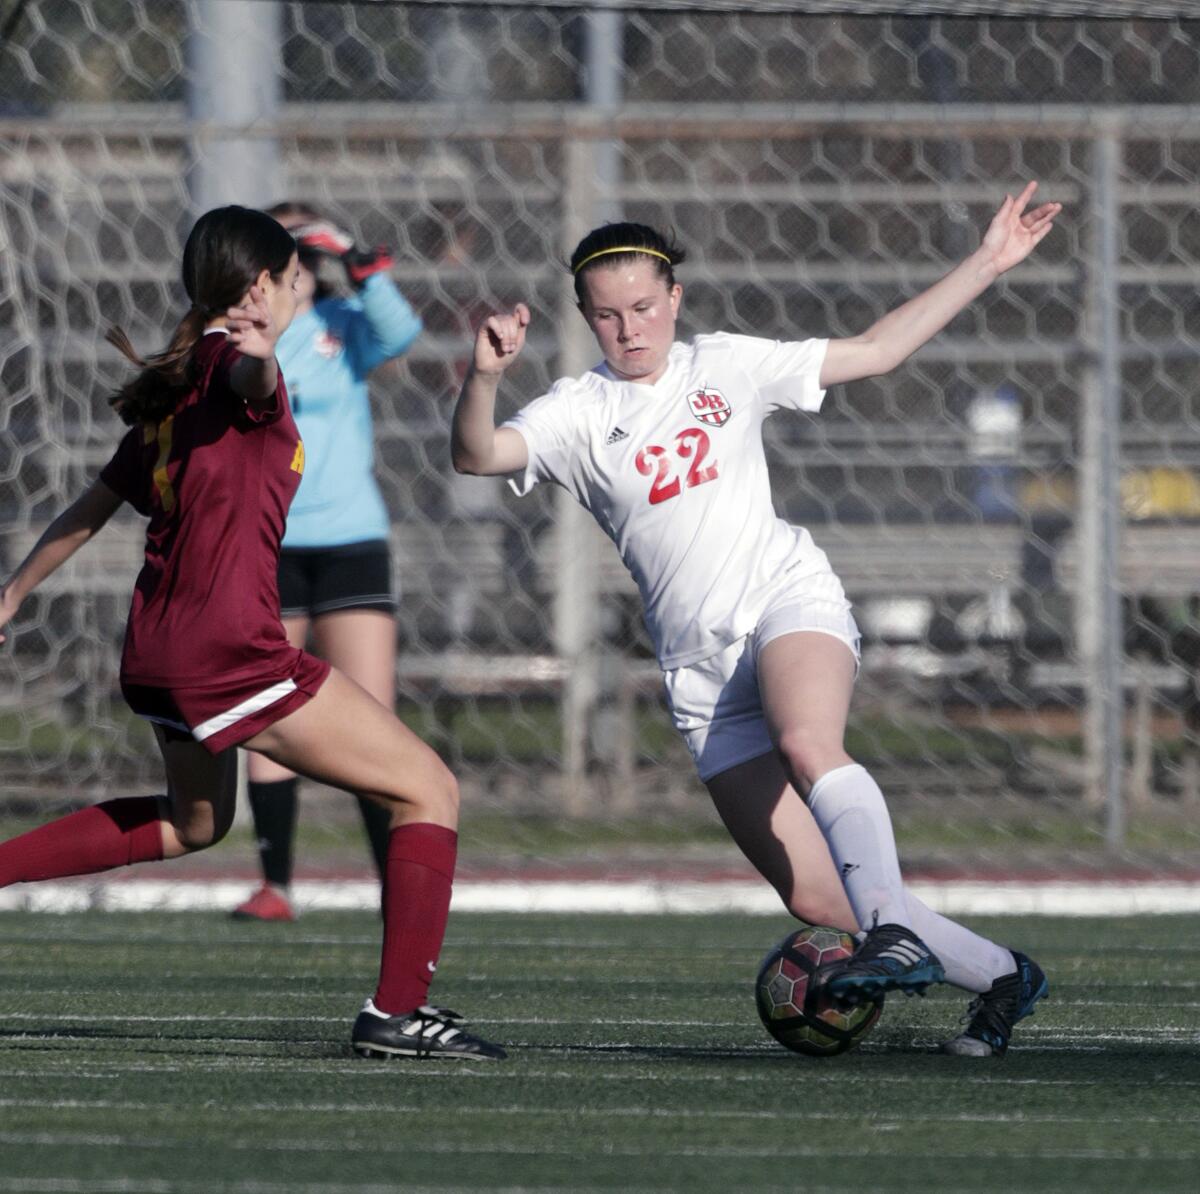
pixel 890 958
pixel 427 1032
pixel 992 1015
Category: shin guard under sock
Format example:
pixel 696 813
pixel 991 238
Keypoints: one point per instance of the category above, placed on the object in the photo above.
pixel 850 811
pixel 416 905
pixel 112 834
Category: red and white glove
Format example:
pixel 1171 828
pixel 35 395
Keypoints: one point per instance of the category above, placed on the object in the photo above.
pixel 323 237
pixel 360 263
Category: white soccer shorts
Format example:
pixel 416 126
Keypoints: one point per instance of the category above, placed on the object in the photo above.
pixel 715 703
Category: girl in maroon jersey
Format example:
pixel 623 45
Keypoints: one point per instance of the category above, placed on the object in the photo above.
pixel 212 459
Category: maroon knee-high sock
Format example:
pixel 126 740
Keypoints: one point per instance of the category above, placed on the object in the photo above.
pixel 416 905
pixel 115 833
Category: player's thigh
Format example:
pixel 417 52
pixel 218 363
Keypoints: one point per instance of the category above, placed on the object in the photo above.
pixel 259 768
pixel 361 644
pixel 346 738
pixel 202 790
pixel 774 829
pixel 806 679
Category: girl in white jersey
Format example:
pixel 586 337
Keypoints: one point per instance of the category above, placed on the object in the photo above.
pixel 662 443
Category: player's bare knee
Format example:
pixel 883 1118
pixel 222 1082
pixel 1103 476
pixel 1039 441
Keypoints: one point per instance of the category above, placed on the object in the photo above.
pixel 442 799
pixel 436 800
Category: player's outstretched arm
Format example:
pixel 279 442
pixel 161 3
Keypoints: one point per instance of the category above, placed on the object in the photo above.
pixel 477 445
pixel 58 543
pixel 1012 235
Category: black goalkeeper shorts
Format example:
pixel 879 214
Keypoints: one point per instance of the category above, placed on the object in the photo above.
pixel 323 580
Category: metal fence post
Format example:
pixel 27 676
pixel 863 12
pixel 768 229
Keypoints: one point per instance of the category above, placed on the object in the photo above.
pixel 592 168
pixel 234 50
pixel 576 574
pixel 1098 609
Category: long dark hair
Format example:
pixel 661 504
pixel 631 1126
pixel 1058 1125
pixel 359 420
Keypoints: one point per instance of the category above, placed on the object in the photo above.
pixel 616 244
pixel 226 251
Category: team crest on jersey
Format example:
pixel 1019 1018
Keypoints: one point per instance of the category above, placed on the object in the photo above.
pixel 709 406
pixel 327 345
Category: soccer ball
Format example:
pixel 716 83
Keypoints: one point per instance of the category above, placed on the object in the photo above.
pixel 813 1025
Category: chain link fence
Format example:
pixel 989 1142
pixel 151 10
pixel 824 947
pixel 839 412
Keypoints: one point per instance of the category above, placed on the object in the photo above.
pixel 1015 512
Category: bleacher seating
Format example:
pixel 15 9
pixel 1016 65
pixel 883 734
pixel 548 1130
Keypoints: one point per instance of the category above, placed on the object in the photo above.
pixel 876 562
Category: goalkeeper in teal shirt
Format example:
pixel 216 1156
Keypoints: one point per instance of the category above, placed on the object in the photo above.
pixel 335 575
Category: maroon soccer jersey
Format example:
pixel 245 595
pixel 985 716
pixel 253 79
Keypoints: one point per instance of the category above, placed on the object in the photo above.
pixel 215 479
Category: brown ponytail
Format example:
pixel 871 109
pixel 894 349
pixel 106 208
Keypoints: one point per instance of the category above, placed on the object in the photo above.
pixel 165 377
pixel 226 251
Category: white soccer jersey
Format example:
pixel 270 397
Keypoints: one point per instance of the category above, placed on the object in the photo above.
pixel 676 475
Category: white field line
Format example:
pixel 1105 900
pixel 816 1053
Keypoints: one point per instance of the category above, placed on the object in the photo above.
pixel 137 1185
pixel 1050 1040
pixel 952 898
pixel 786 1113
pixel 814 1075
pixel 159 1186
pixel 1042 1030
pixel 283 998
pixel 576 1149
pixel 721 960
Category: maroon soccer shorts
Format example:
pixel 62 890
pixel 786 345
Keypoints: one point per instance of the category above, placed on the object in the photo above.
pixel 226 714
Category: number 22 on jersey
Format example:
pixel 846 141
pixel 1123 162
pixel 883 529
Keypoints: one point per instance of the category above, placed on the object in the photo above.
pixel 670 476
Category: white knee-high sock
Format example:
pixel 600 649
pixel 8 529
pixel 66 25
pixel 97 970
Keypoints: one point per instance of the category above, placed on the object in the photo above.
pixel 972 962
pixel 850 811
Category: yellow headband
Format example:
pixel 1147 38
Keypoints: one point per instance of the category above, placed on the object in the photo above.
pixel 621 249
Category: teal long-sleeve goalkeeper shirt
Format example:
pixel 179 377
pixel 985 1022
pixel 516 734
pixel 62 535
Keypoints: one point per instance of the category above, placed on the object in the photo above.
pixel 326 355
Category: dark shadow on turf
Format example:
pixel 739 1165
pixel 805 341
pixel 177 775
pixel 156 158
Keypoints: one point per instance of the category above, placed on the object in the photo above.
pixel 1140 1063
pixel 1090 1062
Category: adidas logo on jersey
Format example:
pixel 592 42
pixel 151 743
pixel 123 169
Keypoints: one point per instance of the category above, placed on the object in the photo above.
pixel 615 436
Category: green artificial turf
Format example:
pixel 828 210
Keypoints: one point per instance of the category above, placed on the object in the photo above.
pixel 185 1052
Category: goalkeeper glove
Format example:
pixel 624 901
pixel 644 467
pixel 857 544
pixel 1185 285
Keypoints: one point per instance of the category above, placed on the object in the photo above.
pixel 327 238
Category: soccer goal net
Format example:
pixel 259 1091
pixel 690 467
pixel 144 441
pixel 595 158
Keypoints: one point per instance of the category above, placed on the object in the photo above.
pixel 1015 512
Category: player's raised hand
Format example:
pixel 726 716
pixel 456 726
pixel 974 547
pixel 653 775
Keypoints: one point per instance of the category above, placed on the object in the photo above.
pixel 1014 232
pixel 252 327
pixel 500 339
pixel 322 236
